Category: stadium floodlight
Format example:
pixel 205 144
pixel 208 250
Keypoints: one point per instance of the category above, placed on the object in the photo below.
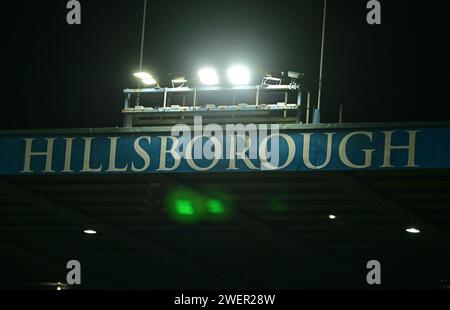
pixel 295 76
pixel 272 78
pixel 179 80
pixel 143 75
pixel 146 78
pixel 238 75
pixel 150 82
pixel 208 76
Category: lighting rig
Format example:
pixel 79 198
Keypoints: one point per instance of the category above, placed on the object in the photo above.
pixel 219 97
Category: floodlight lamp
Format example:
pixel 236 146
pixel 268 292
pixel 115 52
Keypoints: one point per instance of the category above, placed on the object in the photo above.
pixel 239 75
pixel 208 76
pixel 179 80
pixel 150 82
pixel 295 75
pixel 269 80
pixel 143 75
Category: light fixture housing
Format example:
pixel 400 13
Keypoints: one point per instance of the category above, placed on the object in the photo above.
pixel 143 75
pixel 295 77
pixel 272 78
pixel 208 76
pixel 150 82
pixel 239 75
pixel 179 80
pixel 146 78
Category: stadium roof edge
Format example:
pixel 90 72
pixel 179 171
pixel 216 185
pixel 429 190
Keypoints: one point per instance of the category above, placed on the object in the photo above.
pixel 162 129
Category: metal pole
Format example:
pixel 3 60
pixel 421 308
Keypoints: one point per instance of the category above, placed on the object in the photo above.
pixel 257 95
pixel 341 113
pixel 308 107
pixel 321 54
pixel 138 99
pixel 165 98
pixel 143 36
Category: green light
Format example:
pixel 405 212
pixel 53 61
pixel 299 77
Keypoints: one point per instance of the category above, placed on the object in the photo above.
pixel 277 205
pixel 215 206
pixel 184 207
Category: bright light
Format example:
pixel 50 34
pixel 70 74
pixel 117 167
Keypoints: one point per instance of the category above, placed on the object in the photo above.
pixel 58 288
pixel 143 75
pixel 90 232
pixel 184 207
pixel 413 230
pixel 180 80
pixel 239 75
pixel 332 217
pixel 215 206
pixel 149 82
pixel 208 76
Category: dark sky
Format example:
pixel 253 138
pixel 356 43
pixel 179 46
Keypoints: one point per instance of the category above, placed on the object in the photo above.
pixel 61 76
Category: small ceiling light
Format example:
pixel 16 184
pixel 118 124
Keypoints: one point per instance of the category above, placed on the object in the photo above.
pixel 239 75
pixel 90 232
pixel 413 230
pixel 332 217
pixel 143 75
pixel 208 76
pixel 58 288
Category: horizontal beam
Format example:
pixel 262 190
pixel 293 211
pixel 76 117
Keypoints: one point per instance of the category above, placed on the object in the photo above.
pixel 165 129
pixel 211 89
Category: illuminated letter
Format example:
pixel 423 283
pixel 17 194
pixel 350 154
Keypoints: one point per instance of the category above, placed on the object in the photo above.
pixel 87 156
pixel 217 153
pixel 68 156
pixel 265 165
pixel 142 153
pixel 173 152
pixel 48 155
pixel 343 151
pixel 411 147
pixel 112 156
pixel 306 145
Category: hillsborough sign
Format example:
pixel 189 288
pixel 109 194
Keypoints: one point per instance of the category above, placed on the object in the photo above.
pixel 237 150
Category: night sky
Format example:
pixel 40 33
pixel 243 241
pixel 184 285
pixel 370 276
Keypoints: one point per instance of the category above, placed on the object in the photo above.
pixel 61 76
